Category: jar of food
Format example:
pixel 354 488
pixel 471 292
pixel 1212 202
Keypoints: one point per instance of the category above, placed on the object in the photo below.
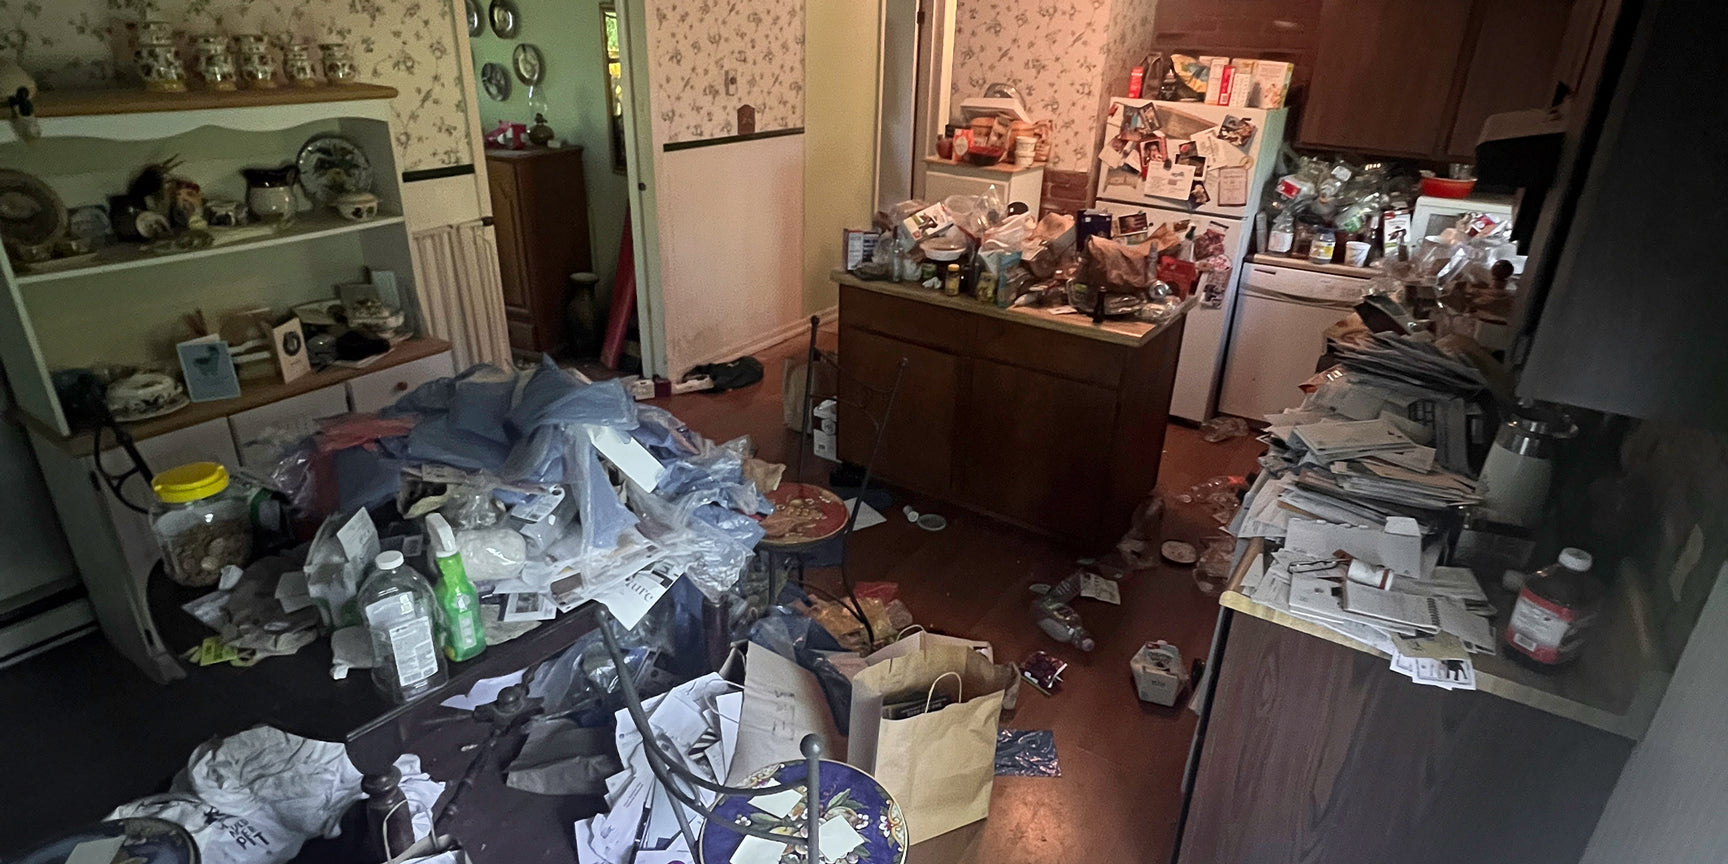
pixel 201 523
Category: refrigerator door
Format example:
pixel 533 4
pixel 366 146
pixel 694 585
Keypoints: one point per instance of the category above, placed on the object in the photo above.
pixel 1275 343
pixel 1203 335
pixel 1146 140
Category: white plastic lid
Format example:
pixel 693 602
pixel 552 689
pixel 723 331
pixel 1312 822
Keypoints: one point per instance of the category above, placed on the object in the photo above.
pixel 1576 559
pixel 388 560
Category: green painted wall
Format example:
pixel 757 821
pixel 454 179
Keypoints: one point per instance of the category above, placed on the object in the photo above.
pixel 569 36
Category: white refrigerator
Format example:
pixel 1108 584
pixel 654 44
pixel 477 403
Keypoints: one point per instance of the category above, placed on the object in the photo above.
pixel 1204 165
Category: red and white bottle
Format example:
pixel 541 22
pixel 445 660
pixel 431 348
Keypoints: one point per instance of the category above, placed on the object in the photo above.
pixel 1555 609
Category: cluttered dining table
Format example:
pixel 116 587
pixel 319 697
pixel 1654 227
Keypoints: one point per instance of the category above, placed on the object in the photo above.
pixel 517 616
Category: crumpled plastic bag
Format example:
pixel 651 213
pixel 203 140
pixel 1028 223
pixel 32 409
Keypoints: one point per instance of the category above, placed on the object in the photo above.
pixel 255 797
pixel 554 396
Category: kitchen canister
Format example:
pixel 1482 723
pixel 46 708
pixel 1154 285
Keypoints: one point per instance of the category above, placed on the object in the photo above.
pixel 160 67
pixel 298 66
pixel 1520 464
pixel 338 63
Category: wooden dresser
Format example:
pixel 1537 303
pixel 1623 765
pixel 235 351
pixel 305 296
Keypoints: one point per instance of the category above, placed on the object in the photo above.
pixel 1046 421
pixel 540 206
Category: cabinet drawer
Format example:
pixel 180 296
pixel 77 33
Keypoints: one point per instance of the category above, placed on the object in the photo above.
pixel 299 413
pixel 370 393
pixel 1034 348
pixel 909 320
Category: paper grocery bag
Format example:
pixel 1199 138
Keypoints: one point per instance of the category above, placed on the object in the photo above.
pixel 939 766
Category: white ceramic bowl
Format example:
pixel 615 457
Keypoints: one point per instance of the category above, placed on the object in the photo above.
pixel 357 206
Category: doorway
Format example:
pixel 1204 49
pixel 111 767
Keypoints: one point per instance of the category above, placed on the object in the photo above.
pixel 552 94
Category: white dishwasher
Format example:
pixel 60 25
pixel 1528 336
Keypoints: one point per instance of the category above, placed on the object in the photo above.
pixel 1282 312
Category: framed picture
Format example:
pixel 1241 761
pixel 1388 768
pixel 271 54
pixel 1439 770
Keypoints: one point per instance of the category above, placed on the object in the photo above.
pixel 208 369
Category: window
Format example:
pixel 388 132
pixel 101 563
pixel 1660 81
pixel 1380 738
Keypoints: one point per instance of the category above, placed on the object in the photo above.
pixel 614 84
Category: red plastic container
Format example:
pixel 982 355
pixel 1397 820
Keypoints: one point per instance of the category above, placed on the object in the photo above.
pixel 1441 187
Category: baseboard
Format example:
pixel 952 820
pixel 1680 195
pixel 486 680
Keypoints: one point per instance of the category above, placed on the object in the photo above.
pixel 770 339
pixel 31 636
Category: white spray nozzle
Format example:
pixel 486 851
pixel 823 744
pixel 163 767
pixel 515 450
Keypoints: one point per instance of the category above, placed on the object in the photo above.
pixel 439 535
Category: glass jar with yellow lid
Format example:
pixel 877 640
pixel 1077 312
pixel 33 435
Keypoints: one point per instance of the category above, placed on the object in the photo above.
pixel 201 522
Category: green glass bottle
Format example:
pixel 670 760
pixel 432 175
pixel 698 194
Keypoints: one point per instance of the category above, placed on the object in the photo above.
pixel 460 630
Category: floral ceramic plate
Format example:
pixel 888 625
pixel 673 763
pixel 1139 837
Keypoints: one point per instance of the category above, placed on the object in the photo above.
pixel 31 213
pixel 803 513
pixel 332 166
pixel 847 793
pixel 475 26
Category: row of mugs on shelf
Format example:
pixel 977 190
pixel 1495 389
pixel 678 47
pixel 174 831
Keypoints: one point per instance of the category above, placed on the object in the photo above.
pixel 160 66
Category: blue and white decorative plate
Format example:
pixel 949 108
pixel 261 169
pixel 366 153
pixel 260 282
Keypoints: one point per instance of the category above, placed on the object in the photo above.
pixel 846 792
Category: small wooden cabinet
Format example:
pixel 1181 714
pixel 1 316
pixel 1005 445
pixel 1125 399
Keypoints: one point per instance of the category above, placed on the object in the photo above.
pixel 1043 421
pixel 540 206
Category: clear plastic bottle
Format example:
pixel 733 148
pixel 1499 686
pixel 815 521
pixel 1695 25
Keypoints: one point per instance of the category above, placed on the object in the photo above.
pixel 400 611
pixel 1555 609
pixel 1060 622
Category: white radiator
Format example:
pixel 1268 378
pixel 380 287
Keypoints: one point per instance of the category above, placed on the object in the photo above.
pixel 460 292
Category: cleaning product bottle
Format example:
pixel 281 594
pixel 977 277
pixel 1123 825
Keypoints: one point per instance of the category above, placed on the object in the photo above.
pixel 398 608
pixel 461 633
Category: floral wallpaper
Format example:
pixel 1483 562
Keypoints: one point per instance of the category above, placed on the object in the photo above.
pixel 406 44
pixel 1052 50
pixel 1132 37
pixel 693 44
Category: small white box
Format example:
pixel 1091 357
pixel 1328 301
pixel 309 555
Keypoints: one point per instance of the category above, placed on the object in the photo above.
pixel 1158 676
pixel 827 446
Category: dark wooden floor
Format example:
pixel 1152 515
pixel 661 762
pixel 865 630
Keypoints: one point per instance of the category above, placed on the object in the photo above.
pixel 1119 793
pixel 89 732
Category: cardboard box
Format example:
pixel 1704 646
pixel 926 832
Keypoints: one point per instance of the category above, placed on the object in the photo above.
pixel 1215 79
pixel 1241 82
pixel 1271 84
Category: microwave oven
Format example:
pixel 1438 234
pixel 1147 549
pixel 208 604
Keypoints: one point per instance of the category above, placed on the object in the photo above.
pixel 1433 215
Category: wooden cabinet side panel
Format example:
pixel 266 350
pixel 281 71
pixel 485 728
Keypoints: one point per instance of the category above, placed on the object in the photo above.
pixel 917 447
pixel 555 207
pixel 1384 73
pixel 1319 753
pixel 1142 417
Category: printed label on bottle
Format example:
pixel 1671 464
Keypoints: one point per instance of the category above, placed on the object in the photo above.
pixel 415 654
pixel 1544 630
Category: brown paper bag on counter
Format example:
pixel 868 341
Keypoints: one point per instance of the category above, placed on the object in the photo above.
pixel 1116 266
pixel 940 765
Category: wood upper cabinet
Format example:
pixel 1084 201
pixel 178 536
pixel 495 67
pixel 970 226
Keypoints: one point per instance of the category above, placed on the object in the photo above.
pixel 1383 74
pixel 1416 78
pixel 1511 65
pixel 540 209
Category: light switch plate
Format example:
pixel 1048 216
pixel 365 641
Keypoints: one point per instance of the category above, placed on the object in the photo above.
pixel 731 82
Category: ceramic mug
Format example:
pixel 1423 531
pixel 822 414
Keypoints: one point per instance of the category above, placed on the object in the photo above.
pixel 159 66
pixel 257 69
pixel 338 63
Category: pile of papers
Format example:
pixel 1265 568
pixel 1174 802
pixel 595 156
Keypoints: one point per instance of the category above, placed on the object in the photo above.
pixel 697 722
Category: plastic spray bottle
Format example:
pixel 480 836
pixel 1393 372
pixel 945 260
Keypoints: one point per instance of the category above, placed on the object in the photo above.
pixel 460 632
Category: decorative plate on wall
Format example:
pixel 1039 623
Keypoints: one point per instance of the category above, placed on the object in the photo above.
pixel 476 21
pixel 505 18
pixel 332 166
pixel 496 82
pixel 529 64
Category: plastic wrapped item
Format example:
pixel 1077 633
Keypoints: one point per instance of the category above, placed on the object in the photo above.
pixel 886 622
pixel 974 214
pixel 1059 621
pixel 553 396
pixel 1026 753
pixel 1009 235
pixel 1043 670
pixel 1223 428
pixel 1212 571
pixel 1139 545
pixel 1219 495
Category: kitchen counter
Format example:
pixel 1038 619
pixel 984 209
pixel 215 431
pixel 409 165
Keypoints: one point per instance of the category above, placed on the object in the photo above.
pixel 1612 687
pixel 1121 332
pixel 1045 421
pixel 1307 740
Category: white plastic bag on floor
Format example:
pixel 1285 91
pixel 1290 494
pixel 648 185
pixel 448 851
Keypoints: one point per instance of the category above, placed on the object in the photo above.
pixel 256 797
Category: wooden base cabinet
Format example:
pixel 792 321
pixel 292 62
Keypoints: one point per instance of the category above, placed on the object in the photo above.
pixel 540 210
pixel 1054 428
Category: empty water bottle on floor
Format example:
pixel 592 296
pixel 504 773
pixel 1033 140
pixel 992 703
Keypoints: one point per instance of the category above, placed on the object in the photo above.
pixel 1062 623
